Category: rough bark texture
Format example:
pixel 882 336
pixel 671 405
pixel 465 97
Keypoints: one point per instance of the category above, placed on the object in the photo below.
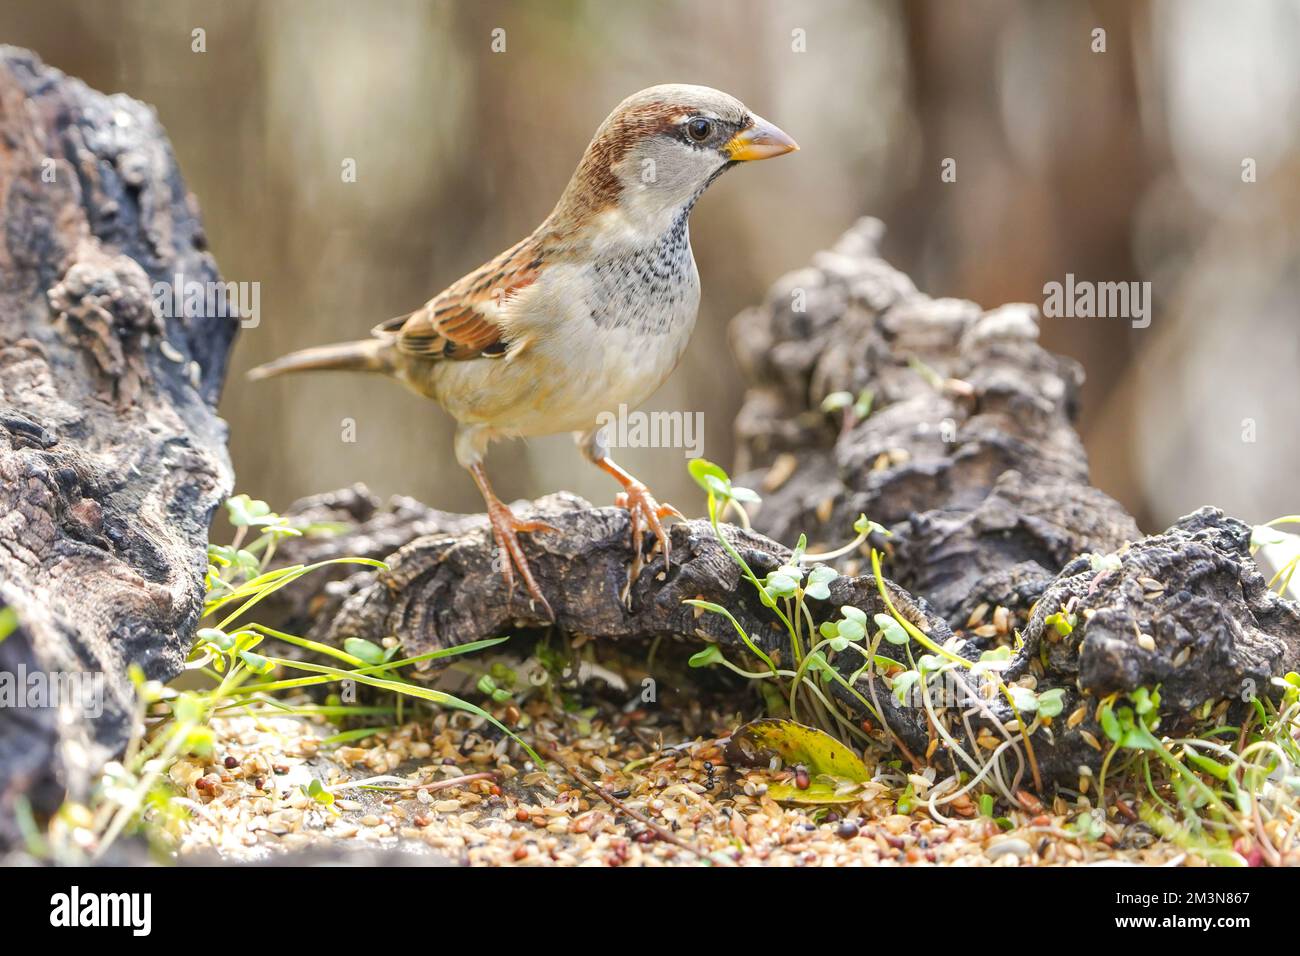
pixel 968 454
pixel 112 457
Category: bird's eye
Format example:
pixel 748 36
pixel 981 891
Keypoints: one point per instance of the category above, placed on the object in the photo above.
pixel 699 129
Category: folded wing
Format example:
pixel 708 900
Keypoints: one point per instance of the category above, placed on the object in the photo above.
pixel 464 321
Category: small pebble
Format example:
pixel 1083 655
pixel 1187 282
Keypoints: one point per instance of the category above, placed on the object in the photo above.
pixel 897 823
pixel 1012 845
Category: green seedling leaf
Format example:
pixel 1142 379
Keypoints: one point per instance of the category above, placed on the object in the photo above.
pixel 488 685
pixel 902 683
pixel 503 675
pixel 819 580
pixel 1026 700
pixel 245 640
pixel 817 663
pixel 246 512
pixel 1110 723
pixel 851 630
pixel 837 400
pixel 1087 826
pixel 366 651
pixel 702 470
pixel 317 792
pixel 894 632
pixel 717 487
pixel 1051 702
pixel 1212 767
pixel 780 584
pixel 706 658
pixel 256 662
pixel 865 526
pixel 1123 727
pixel 217 637
pixel 1063 623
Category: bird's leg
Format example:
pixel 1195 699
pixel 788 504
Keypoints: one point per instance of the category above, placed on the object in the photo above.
pixel 643 509
pixel 505 529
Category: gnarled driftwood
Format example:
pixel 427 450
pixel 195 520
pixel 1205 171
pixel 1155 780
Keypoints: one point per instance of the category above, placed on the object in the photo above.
pixel 112 457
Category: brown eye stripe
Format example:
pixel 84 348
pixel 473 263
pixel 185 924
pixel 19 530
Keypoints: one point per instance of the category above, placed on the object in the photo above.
pixel 612 143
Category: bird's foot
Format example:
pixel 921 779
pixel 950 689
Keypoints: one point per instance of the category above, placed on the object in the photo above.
pixel 645 512
pixel 510 554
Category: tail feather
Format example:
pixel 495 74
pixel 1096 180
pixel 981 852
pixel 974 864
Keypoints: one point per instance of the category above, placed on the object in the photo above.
pixel 369 355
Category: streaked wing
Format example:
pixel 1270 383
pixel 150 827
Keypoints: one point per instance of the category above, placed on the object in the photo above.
pixel 462 322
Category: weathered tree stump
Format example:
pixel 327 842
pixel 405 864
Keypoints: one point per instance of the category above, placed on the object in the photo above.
pixel 112 457
pixel 969 453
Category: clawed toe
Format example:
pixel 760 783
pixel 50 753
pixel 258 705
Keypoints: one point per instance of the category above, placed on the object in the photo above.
pixel 506 529
pixel 646 512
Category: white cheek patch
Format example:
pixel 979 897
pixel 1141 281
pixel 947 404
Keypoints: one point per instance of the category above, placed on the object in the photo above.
pixel 667 171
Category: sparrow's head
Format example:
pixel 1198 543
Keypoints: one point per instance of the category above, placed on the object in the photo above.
pixel 661 148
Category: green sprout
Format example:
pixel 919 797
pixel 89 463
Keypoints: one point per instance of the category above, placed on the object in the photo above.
pixel 244 678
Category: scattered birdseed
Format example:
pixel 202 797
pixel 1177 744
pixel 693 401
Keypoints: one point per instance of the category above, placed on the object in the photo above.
pixel 669 768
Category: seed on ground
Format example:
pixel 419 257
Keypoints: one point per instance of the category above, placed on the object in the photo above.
pixel 527 817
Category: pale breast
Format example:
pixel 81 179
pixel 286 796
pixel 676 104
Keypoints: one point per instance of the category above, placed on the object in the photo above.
pixel 598 335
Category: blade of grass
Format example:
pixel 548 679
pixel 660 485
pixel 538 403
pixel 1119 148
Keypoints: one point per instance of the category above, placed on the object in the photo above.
pixel 421 693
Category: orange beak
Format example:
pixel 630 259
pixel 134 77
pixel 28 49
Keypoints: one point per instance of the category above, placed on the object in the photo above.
pixel 762 140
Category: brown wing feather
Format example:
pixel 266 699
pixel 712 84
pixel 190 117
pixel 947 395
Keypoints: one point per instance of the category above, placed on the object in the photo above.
pixel 457 324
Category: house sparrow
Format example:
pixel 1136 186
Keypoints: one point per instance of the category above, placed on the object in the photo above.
pixel 590 312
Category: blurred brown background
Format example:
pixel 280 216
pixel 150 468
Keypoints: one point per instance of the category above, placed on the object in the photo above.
pixel 1115 166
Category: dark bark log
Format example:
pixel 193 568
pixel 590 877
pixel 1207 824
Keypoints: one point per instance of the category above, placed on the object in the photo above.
pixel 112 457
pixel 969 454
